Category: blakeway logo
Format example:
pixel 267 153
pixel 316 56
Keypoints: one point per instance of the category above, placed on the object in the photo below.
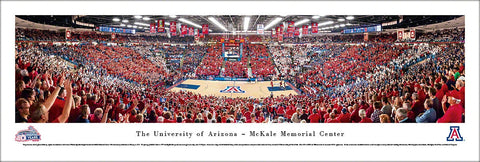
pixel 31 134
pixel 454 134
pixel 232 89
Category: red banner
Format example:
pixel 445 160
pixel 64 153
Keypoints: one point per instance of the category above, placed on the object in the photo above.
pixel 173 28
pixel 183 30
pixel 274 32
pixel 297 31
pixel 195 32
pixel 222 40
pixel 68 34
pixel 400 35
pixel 412 34
pixel 290 35
pixel 314 27
pixel 113 36
pixel 205 28
pixel 305 29
pixel 202 35
pixel 281 30
pixel 280 38
pixel 161 26
pixel 290 27
pixel 190 31
pixel 152 28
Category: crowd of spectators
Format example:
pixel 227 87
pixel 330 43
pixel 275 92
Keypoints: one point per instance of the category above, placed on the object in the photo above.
pixel 356 84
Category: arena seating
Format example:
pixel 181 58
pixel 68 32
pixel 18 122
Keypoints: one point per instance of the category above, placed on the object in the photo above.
pixel 337 77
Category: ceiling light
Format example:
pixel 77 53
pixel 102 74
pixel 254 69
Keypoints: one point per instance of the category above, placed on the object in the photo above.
pixel 245 23
pixel 140 27
pixel 336 26
pixel 283 15
pixel 341 19
pixel 301 22
pixel 122 24
pixel 342 25
pixel 210 30
pixel 137 16
pixel 146 18
pixel 348 24
pixel 116 19
pixel 173 16
pixel 125 21
pixel 129 26
pixel 217 23
pixel 167 23
pixel 189 22
pixel 274 22
pixel 143 24
pixel 134 26
pixel 325 23
pixel 349 17
pixel 315 17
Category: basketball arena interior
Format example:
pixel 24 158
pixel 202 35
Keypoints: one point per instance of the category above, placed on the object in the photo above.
pixel 239 69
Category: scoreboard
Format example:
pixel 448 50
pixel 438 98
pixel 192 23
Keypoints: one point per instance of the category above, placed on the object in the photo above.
pixel 116 30
pixel 375 28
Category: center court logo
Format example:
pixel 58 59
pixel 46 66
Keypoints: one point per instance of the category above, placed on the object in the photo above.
pixel 31 134
pixel 454 134
pixel 232 89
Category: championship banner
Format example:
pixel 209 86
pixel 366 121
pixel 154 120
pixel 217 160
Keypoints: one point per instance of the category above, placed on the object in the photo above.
pixel 173 28
pixel 305 29
pixel 195 32
pixel 274 33
pixel 202 35
pixel 161 26
pixel 190 31
pixel 400 35
pixel 205 28
pixel 68 34
pixel 290 35
pixel 152 28
pixel 314 27
pixel 113 36
pixel 412 34
pixel 281 32
pixel 291 27
pixel 260 29
pixel 297 31
pixel 183 30
pixel 280 38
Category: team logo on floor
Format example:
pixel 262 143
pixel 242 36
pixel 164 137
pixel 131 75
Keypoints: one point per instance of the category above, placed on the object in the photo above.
pixel 454 134
pixel 31 134
pixel 232 89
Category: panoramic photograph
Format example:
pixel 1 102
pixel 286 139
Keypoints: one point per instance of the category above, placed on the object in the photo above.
pixel 240 69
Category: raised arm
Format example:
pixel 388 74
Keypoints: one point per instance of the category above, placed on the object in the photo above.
pixel 68 103
pixel 105 113
pixel 51 99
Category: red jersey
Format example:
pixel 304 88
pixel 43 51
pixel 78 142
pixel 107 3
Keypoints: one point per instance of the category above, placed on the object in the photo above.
pixel 314 118
pixel 453 114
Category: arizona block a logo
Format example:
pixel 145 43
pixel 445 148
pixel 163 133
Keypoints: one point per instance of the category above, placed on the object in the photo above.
pixel 454 134
pixel 232 89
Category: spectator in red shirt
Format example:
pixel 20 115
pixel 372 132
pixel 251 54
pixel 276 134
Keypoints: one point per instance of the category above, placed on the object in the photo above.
pixel 453 113
pixel 332 118
pixel 345 116
pixel 315 117
pixel 364 117
pixel 40 110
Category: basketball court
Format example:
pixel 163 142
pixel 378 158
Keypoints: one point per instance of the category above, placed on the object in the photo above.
pixel 234 89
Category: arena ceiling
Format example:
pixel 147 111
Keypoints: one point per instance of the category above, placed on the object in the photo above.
pixel 231 23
